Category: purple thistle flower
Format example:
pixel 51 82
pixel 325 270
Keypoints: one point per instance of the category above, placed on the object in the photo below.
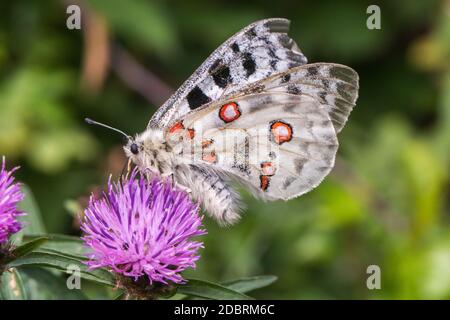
pixel 142 227
pixel 10 196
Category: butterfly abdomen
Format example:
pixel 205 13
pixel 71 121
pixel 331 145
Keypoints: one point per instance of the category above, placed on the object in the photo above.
pixel 212 189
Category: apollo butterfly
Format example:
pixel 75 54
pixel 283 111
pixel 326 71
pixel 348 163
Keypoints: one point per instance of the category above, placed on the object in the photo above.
pixel 254 113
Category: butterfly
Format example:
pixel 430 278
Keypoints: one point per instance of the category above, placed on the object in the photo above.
pixel 253 114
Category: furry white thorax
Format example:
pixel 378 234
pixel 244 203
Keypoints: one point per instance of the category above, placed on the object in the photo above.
pixel 154 152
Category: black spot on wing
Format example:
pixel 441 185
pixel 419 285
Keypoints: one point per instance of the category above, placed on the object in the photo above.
pixel 323 96
pixel 222 76
pixel 293 89
pixel 273 64
pixel 251 33
pixel 197 98
pixel 313 71
pixel 235 47
pixel 272 53
pixel 286 78
pixel 249 64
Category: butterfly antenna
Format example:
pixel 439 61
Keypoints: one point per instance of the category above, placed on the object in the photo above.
pixel 90 121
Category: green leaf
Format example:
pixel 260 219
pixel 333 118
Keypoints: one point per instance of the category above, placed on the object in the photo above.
pixel 250 283
pixel 11 285
pixel 28 247
pixel 59 261
pixel 209 290
pixel 67 245
pixel 32 221
pixel 42 284
pixel 120 296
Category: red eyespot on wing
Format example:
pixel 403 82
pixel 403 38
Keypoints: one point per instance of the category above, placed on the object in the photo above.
pixel 264 182
pixel 191 133
pixel 281 132
pixel 210 157
pixel 229 112
pixel 268 168
pixel 176 127
pixel 206 143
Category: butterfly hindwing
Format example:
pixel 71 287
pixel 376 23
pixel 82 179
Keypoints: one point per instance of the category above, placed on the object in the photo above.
pixel 277 135
pixel 279 145
pixel 256 52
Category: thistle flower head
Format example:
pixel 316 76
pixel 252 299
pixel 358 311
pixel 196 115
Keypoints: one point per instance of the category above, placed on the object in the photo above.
pixel 142 227
pixel 10 196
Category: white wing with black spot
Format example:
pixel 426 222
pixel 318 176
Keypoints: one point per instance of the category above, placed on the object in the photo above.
pixel 254 53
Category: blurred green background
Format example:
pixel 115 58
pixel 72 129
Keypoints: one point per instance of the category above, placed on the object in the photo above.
pixel 387 202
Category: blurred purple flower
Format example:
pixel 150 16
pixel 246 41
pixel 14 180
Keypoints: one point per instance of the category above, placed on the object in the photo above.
pixel 10 196
pixel 142 227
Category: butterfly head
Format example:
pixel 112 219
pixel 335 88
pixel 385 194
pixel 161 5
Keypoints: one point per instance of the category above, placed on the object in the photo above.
pixel 148 150
pixel 132 147
pixel 134 150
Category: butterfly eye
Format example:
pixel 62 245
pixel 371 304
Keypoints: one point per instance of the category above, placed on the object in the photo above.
pixel 134 148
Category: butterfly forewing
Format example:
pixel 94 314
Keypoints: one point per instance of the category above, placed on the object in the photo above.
pixel 256 52
pixel 278 144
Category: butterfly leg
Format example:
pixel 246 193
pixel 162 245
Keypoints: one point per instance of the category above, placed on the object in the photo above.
pixel 168 175
pixel 171 176
pixel 182 187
